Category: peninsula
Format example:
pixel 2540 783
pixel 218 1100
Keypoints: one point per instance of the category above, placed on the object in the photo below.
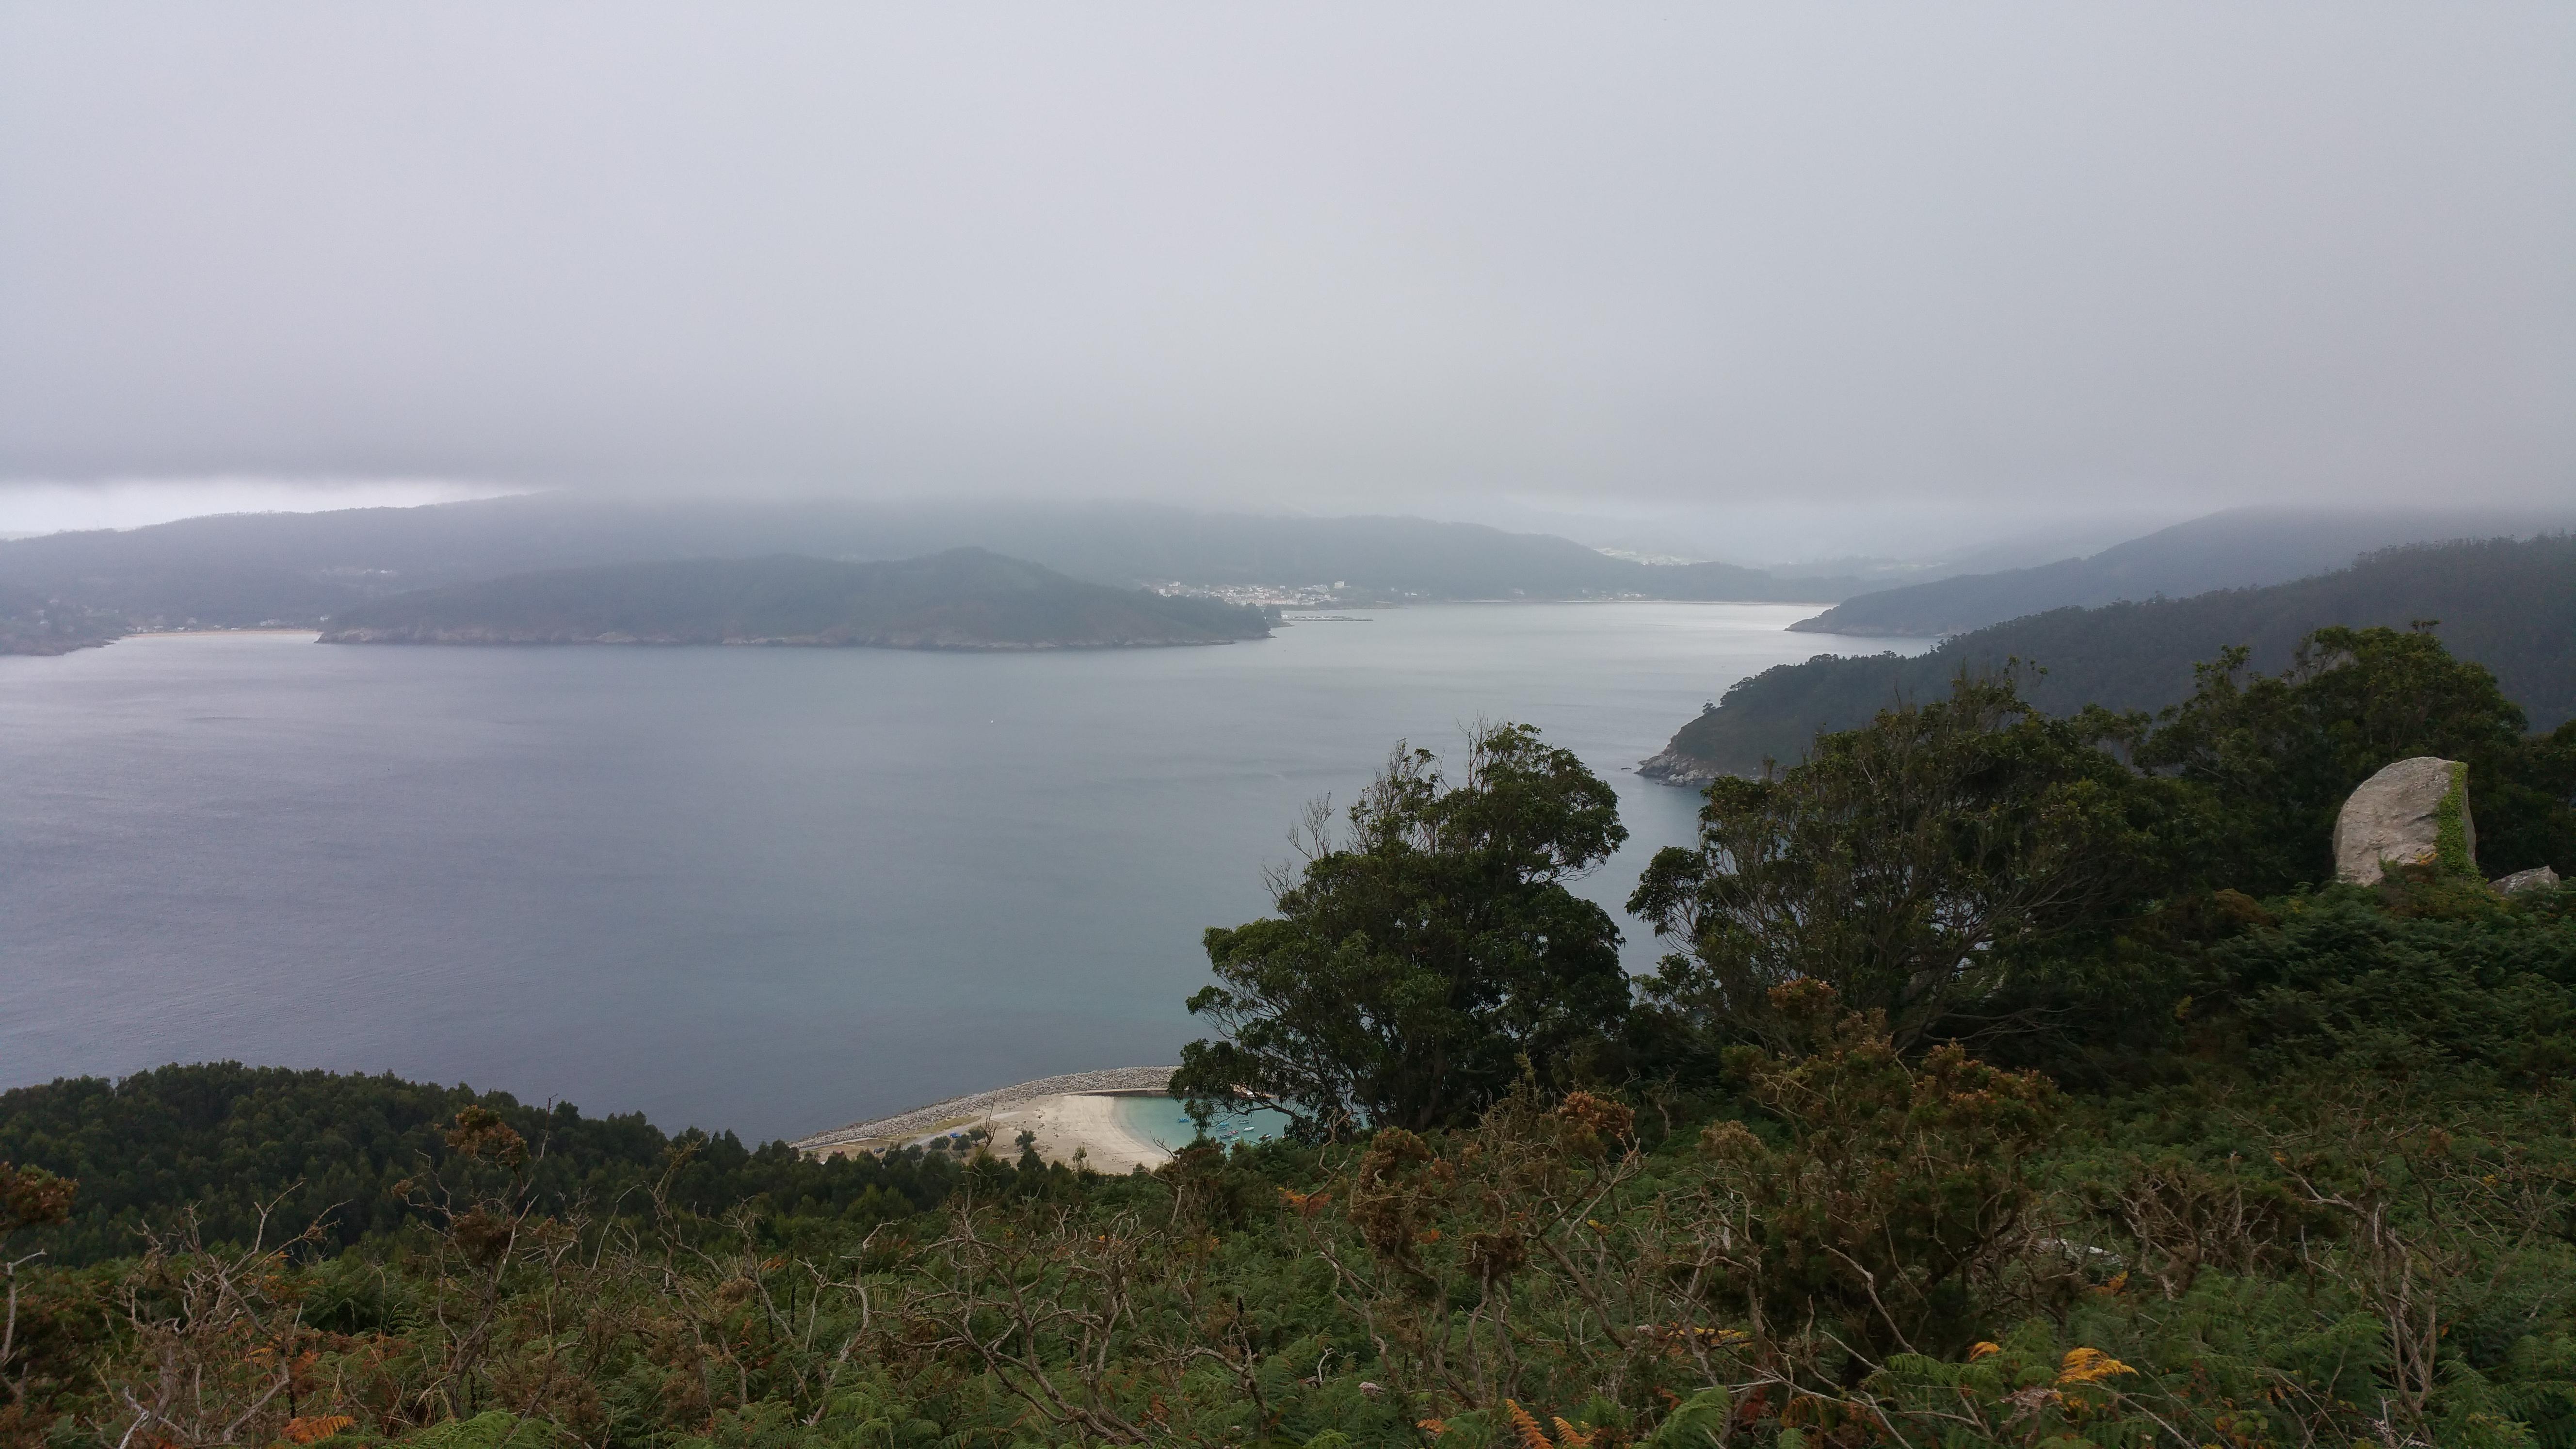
pixel 32 623
pixel 964 598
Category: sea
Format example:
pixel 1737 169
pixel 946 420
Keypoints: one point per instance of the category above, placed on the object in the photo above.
pixel 764 890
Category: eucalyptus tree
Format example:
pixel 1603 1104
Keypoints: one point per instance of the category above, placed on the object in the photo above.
pixel 1429 957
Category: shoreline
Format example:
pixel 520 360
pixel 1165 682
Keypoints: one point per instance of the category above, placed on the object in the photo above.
pixel 975 1108
pixel 1080 1129
pixel 1078 1119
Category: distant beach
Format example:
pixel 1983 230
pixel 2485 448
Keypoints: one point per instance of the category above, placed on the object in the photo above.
pixel 1072 1117
pixel 1113 1121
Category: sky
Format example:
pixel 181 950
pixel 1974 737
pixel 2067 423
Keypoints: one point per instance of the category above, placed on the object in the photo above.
pixel 1845 273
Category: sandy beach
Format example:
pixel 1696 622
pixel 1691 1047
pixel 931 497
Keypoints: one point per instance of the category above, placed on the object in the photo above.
pixel 1073 1119
pixel 1079 1127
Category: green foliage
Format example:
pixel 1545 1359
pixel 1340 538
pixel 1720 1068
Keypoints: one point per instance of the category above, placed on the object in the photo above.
pixel 31 1197
pixel 1899 1199
pixel 1415 972
pixel 2343 977
pixel 2508 605
pixel 2327 1196
pixel 2335 1211
pixel 1911 865
pixel 2278 754
pixel 237 1143
pixel 2451 851
pixel 1977 869
pixel 491 1429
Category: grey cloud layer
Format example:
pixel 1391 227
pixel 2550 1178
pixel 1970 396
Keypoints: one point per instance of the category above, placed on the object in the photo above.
pixel 1979 254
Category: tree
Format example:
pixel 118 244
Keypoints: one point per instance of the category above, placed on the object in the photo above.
pixel 30 1197
pixel 1906 864
pixel 1901 1190
pixel 1417 970
pixel 2278 754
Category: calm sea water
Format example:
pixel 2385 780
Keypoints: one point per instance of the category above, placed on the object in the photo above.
pixel 1164 1121
pixel 771 890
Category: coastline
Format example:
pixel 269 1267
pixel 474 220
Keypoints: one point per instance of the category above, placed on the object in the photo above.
pixel 1071 1112
pixel 1081 1129
pixel 498 640
pixel 1671 767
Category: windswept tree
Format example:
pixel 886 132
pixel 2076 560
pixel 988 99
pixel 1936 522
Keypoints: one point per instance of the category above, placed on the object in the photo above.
pixel 1422 964
pixel 1906 865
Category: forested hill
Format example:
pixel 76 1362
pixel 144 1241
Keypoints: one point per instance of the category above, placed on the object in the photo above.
pixel 962 599
pixel 228 1140
pixel 33 623
pixel 2508 604
pixel 2236 549
pixel 249 569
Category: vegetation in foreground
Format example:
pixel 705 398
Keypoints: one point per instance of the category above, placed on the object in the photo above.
pixel 2011 1080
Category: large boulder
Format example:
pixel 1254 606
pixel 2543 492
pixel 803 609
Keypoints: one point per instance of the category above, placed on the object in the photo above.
pixel 2398 817
pixel 2538 878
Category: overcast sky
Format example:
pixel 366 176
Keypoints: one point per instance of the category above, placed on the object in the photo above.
pixel 1871 261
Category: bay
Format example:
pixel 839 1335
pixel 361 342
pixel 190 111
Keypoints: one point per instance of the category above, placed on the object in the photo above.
pixel 772 890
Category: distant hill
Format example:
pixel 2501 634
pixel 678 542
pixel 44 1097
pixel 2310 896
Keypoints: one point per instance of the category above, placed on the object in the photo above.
pixel 2508 604
pixel 2240 548
pixel 961 599
pixel 249 569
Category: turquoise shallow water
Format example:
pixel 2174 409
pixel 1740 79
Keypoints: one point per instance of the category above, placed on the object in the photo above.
pixel 774 890
pixel 1161 1120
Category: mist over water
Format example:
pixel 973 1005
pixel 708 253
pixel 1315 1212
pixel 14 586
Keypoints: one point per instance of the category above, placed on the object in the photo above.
pixel 769 890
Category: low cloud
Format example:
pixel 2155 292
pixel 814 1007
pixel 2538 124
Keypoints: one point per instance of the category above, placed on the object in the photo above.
pixel 29 507
pixel 1859 264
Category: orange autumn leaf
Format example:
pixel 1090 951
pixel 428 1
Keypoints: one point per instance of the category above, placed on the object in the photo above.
pixel 2089 1366
pixel 1527 1429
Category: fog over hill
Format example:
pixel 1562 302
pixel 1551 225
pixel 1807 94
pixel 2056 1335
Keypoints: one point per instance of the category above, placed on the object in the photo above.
pixel 2236 549
pixel 2510 605
pixel 962 599
pixel 248 569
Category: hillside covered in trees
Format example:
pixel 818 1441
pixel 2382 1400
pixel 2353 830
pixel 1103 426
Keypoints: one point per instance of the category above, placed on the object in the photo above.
pixel 35 623
pixel 238 570
pixel 2012 1078
pixel 963 599
pixel 2239 548
pixel 2508 604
